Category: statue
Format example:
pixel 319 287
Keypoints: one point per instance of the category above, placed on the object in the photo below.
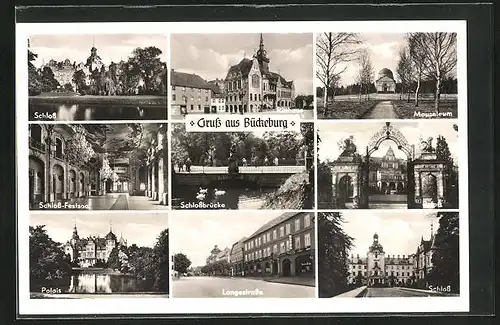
pixel 348 147
pixel 426 146
pixel 233 167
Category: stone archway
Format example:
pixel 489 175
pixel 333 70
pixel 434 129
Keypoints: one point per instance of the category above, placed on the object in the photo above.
pixel 389 186
pixel 346 189
pixel 286 267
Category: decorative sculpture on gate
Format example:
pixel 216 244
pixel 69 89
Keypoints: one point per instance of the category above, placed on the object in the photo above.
pixel 426 145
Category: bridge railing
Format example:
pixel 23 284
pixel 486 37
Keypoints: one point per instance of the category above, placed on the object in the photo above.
pixel 245 170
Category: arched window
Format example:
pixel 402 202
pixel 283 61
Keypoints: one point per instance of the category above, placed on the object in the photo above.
pixel 59 148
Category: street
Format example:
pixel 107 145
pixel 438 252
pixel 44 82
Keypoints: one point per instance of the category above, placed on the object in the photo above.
pixel 396 292
pixel 208 287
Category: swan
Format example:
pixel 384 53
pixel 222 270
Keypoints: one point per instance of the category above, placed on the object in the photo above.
pixel 140 111
pixel 203 190
pixel 219 192
pixel 200 196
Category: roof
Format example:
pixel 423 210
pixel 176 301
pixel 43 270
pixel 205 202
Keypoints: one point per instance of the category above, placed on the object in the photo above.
pixel 243 67
pixel 215 88
pixel 110 235
pixel 385 73
pixel 188 80
pixel 276 221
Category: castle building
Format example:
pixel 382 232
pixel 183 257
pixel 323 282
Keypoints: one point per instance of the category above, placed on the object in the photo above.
pixel 385 82
pixel 284 247
pixel 377 268
pixel 388 174
pixel 87 252
pixel 250 86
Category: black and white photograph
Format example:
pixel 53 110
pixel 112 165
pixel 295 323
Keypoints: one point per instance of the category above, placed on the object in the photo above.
pixel 263 255
pixel 388 165
pixel 242 74
pixel 97 77
pixel 388 254
pixel 98 166
pixel 98 255
pixel 386 75
pixel 243 170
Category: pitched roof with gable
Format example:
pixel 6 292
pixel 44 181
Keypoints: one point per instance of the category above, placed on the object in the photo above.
pixel 276 221
pixel 188 80
pixel 243 67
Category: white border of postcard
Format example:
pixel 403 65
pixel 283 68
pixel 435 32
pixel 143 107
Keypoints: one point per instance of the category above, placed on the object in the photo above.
pixel 122 306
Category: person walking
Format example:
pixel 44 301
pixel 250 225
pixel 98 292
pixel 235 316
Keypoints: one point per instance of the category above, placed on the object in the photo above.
pixel 188 165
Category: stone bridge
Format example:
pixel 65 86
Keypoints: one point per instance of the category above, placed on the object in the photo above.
pixel 263 176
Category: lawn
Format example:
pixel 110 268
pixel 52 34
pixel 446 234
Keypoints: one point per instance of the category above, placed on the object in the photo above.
pixel 425 109
pixel 345 109
pixel 136 100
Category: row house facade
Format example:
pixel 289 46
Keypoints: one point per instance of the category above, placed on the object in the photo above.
pixel 236 258
pixel 52 177
pixel 282 247
pixel 191 94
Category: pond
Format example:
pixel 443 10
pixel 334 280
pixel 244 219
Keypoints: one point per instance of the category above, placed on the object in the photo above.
pixel 184 197
pixel 88 282
pixel 91 112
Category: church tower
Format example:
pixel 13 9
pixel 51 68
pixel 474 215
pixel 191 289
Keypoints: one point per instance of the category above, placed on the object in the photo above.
pixel 261 56
pixel 376 262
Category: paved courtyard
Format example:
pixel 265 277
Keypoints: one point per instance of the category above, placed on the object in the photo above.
pixel 397 292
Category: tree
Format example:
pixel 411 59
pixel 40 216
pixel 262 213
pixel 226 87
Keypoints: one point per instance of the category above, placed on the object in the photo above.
pixel 405 71
pixel 418 59
pixel 332 51
pixel 439 54
pixel 445 258
pixel 333 252
pixel 78 150
pixel 146 64
pixel 48 80
pixel 162 258
pixel 366 73
pixel 34 83
pixel 450 173
pixel 79 81
pixel 114 260
pixel 47 259
pixel 181 263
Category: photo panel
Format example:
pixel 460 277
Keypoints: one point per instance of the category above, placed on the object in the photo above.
pixel 265 255
pixel 388 165
pixel 247 170
pixel 98 255
pixel 388 254
pixel 386 75
pixel 77 77
pixel 246 74
pixel 98 166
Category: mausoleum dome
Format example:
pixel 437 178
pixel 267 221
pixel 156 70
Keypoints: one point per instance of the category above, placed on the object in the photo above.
pixel 385 73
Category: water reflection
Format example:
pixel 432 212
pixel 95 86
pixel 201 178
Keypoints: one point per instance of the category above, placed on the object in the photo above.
pixel 232 198
pixel 99 283
pixel 89 112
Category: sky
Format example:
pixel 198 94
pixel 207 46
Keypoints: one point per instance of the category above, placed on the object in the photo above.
pixel 384 52
pixel 330 134
pixel 77 47
pixel 137 228
pixel 196 233
pixel 211 55
pixel 398 232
